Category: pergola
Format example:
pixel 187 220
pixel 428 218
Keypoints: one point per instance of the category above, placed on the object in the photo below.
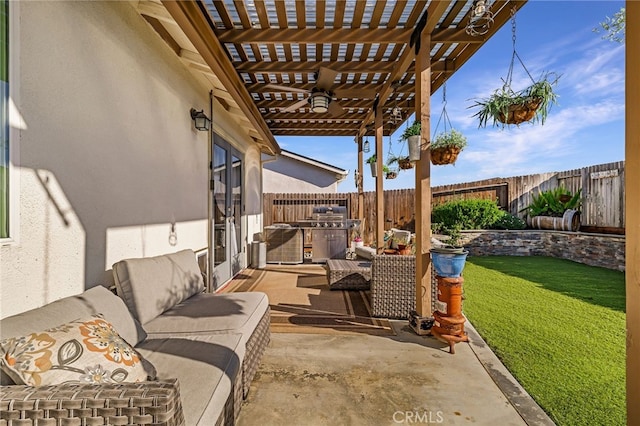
pixel 350 68
pixel 356 68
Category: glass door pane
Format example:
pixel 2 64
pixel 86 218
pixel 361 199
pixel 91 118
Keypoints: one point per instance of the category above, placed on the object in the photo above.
pixel 219 177
pixel 236 209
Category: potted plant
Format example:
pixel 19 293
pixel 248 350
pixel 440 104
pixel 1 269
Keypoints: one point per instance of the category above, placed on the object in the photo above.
pixel 403 161
pixel 449 260
pixel 412 135
pixel 555 209
pixel 372 161
pixel 446 146
pixel 388 173
pixel 508 107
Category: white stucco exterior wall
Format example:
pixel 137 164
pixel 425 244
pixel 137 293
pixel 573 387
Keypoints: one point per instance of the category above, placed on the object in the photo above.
pixel 287 175
pixel 109 158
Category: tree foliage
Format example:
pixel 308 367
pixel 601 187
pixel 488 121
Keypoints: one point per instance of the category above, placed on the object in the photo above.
pixel 614 27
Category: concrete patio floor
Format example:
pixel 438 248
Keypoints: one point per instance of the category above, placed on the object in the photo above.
pixel 360 379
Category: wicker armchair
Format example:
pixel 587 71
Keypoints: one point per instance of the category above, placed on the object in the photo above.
pixel 393 286
pixel 146 403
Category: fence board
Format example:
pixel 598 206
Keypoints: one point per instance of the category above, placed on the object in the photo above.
pixel 602 199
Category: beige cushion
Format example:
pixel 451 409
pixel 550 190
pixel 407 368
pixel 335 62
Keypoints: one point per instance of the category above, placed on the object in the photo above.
pixel 208 313
pixel 96 300
pixel 365 252
pixel 87 350
pixel 206 368
pixel 149 286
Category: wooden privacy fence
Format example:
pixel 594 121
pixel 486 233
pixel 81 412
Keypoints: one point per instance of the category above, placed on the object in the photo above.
pixel 602 199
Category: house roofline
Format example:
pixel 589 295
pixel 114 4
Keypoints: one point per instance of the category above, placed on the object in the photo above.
pixel 341 172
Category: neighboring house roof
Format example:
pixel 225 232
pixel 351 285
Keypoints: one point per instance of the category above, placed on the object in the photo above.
pixel 342 174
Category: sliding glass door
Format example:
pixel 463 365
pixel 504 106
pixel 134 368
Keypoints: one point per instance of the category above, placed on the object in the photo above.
pixel 227 230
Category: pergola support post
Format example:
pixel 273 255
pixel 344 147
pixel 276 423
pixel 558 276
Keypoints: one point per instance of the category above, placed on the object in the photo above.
pixel 359 180
pixel 632 207
pixel 423 180
pixel 379 184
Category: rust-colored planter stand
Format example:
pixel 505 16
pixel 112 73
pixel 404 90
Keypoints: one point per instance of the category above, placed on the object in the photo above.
pixel 449 321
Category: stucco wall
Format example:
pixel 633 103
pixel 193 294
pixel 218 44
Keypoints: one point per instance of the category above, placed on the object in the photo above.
pixel 607 251
pixel 109 159
pixel 287 175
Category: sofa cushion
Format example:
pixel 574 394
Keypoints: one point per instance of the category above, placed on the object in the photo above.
pixel 208 313
pixel 96 300
pixel 206 367
pixel 152 285
pixel 365 252
pixel 87 350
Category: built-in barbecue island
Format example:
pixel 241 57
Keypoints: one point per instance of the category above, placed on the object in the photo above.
pixel 324 235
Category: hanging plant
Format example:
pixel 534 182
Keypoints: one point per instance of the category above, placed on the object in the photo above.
pixel 508 106
pixel 446 145
pixel 402 161
pixel 413 130
pixel 389 174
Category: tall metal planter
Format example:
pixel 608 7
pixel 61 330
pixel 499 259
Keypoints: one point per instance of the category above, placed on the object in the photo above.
pixel 414 147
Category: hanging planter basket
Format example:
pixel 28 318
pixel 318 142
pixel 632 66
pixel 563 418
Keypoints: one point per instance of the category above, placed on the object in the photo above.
pixel 445 155
pixel 391 175
pixel 521 112
pixel 405 163
pixel 507 106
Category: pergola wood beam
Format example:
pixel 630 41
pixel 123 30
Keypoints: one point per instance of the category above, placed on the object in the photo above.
pixel 305 116
pixel 347 90
pixel 196 27
pixel 324 35
pixel 341 36
pixel 339 66
pixel 435 11
pixel 312 67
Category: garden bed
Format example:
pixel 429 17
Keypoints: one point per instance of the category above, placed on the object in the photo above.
pixel 604 250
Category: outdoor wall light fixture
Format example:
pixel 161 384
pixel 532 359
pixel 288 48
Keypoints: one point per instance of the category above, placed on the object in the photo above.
pixel 480 18
pixel 319 102
pixel 200 120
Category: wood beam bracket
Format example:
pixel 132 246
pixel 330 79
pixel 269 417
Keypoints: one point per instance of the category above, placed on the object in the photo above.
pixel 417 32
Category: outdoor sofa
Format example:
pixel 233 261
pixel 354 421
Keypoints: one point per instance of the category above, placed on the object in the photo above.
pixel 198 351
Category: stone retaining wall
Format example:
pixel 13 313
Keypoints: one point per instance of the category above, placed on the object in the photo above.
pixel 602 250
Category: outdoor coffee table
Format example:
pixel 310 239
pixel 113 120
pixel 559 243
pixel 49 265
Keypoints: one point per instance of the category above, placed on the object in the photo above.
pixel 346 274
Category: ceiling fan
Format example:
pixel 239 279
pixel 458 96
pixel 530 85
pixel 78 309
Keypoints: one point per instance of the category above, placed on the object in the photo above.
pixel 320 96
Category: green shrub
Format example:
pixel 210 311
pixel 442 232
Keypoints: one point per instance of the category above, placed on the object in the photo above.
pixel 509 221
pixel 467 214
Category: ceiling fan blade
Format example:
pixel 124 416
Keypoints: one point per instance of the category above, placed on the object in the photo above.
pixel 297 105
pixel 286 88
pixel 326 79
pixel 335 109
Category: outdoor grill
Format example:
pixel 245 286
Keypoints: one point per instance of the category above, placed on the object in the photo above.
pixel 329 217
pixel 330 228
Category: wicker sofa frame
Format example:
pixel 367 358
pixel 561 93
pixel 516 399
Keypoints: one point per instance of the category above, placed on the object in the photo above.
pixel 145 403
pixel 393 288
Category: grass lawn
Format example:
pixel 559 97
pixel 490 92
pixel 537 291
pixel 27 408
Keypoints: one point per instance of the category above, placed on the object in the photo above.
pixel 559 327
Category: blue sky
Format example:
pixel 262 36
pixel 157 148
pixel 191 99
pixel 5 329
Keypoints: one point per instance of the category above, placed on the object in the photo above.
pixel 585 128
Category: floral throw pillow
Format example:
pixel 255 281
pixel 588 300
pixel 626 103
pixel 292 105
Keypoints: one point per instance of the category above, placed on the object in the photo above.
pixel 87 350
